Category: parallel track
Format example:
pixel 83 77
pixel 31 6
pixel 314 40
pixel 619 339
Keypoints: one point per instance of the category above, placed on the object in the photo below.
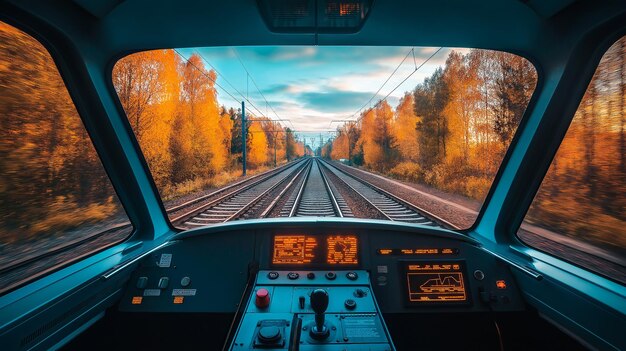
pixel 316 198
pixel 233 205
pixel 390 206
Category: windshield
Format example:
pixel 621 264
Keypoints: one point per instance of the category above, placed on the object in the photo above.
pixel 398 133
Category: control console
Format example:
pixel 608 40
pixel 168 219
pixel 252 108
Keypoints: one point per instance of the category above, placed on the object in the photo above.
pixel 312 310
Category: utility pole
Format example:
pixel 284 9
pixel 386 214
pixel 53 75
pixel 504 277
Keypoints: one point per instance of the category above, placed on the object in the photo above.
pixel 275 140
pixel 287 146
pixel 321 145
pixel 243 135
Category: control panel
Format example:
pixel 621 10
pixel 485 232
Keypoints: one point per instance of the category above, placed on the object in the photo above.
pixel 312 310
pixel 407 272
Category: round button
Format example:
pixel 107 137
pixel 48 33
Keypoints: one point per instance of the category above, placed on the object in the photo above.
pixel 331 275
pixel 310 275
pixel 293 275
pixel 360 293
pixel 272 275
pixel 185 281
pixel 350 304
pixel 262 299
pixel 352 275
pixel 479 275
pixel 269 334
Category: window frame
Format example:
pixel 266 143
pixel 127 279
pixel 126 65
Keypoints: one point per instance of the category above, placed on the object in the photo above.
pixel 521 245
pixel 94 139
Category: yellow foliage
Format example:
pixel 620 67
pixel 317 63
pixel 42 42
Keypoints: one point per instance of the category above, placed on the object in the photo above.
pixel 340 147
pixel 405 128
pixel 257 145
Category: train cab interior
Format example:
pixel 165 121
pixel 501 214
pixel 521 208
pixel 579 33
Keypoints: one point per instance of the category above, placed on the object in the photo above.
pixel 193 175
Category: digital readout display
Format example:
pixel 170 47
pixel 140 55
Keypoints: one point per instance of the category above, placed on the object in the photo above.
pixel 429 282
pixel 342 249
pixel 315 250
pixel 294 249
pixel 419 251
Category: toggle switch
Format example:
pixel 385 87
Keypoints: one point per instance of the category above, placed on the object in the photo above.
pixel 142 282
pixel 163 282
pixel 301 301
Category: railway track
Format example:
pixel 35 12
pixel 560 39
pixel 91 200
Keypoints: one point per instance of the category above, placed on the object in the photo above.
pixel 388 205
pixel 234 204
pixel 316 197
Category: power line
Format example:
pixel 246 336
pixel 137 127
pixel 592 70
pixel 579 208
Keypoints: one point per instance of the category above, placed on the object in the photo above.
pixel 397 86
pixel 388 78
pixel 409 76
pixel 205 74
pixel 219 85
pixel 255 84
pixel 232 86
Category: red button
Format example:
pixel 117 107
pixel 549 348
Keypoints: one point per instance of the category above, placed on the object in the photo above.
pixel 262 298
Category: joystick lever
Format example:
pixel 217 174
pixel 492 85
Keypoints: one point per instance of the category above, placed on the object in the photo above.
pixel 319 304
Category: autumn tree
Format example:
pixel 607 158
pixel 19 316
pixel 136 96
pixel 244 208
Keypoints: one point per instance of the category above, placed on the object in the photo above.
pixel 257 145
pixel 431 98
pixel 339 147
pixel 405 128
pixel 514 85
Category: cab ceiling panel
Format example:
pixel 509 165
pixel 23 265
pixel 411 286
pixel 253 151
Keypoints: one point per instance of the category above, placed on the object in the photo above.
pixel 531 28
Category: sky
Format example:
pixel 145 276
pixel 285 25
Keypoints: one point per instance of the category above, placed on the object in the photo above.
pixel 313 85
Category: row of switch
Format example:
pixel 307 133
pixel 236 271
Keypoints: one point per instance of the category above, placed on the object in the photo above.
pixel 262 299
pixel 142 282
pixel 311 275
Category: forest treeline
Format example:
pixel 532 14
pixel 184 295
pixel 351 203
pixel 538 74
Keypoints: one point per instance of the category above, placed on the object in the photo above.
pixel 187 138
pixel 584 192
pixel 451 132
pixel 51 179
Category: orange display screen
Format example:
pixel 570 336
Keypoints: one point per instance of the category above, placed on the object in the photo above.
pixel 315 250
pixel 429 282
pixel 342 249
pixel 294 249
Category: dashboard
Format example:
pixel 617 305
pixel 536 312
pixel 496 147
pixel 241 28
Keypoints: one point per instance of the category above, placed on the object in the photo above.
pixel 270 272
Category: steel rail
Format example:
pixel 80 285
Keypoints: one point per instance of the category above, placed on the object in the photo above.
pixel 429 215
pixel 214 202
pixel 330 191
pixel 262 195
pixel 272 205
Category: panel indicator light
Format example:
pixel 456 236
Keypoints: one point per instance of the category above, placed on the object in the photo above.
pixel 136 300
pixel 179 300
pixel 500 284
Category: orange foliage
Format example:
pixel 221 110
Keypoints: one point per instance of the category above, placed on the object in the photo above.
pixel 257 145
pixel 405 128
pixel 340 146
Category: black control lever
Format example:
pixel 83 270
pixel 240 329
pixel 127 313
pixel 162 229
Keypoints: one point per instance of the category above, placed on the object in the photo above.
pixel 319 304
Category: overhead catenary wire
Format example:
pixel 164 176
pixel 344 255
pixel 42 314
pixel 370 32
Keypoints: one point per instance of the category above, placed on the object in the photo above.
pixel 249 76
pixel 232 86
pixel 220 86
pixel 417 68
pixel 386 81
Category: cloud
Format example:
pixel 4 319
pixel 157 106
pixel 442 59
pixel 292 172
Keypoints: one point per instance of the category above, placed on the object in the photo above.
pixel 333 100
pixel 278 53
